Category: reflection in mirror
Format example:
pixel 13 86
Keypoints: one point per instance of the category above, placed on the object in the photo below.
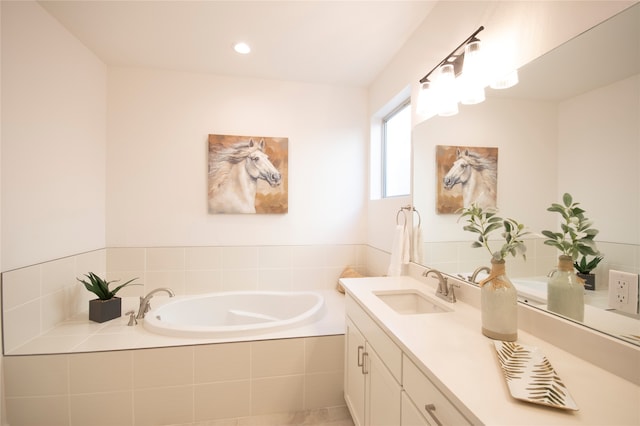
pixel 571 125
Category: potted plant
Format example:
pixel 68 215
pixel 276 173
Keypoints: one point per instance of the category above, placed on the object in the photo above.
pixel 498 296
pixel 584 268
pixel 107 306
pixel 565 290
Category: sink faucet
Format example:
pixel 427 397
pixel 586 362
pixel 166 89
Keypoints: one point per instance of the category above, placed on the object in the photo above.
pixel 445 290
pixel 145 304
pixel 473 276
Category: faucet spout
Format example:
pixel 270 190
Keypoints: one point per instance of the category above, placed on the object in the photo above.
pixel 145 304
pixel 475 273
pixel 445 290
pixel 442 281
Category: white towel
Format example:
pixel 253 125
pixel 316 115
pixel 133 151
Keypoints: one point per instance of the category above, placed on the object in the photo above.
pixel 400 251
pixel 418 246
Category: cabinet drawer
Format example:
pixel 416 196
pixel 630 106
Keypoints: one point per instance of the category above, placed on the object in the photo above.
pixel 425 394
pixel 389 353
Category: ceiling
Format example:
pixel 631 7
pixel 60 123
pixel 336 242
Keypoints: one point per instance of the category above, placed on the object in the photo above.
pixel 325 42
pixel 607 53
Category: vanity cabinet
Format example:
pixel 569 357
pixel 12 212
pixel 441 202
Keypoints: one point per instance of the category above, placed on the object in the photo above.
pixel 372 390
pixel 430 402
pixel 382 385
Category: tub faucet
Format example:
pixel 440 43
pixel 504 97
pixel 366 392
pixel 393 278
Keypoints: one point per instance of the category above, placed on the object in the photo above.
pixel 473 276
pixel 145 304
pixel 445 290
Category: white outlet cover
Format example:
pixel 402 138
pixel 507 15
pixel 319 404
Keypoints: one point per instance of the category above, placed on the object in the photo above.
pixel 623 291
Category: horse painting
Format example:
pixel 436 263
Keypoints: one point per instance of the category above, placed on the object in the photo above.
pixel 477 175
pixel 234 172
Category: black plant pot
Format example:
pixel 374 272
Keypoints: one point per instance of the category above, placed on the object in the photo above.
pixel 589 281
pixel 105 310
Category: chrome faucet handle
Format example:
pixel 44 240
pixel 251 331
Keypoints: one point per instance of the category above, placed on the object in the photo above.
pixel 132 318
pixel 451 295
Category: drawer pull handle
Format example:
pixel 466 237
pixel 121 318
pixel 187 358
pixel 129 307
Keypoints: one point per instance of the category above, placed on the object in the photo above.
pixel 360 360
pixel 431 410
pixel 364 363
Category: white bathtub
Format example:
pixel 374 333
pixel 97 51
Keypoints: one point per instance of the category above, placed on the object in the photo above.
pixel 234 314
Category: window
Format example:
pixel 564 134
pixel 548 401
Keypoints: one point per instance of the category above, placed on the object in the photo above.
pixel 396 151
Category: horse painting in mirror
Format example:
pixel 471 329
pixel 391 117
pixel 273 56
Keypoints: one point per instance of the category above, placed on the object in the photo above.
pixel 233 176
pixel 477 176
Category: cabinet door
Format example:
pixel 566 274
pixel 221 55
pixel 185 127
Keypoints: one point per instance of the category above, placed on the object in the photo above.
pixel 383 392
pixel 354 382
pixel 411 416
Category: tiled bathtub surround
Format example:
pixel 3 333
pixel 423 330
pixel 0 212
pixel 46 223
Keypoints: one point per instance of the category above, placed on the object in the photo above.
pixel 178 385
pixel 37 298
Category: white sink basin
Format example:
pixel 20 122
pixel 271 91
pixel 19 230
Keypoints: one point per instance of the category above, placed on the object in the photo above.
pixel 410 302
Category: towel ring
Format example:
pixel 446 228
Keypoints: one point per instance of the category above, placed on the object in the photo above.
pixel 404 212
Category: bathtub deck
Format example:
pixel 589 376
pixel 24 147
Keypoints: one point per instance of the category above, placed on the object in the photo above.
pixel 81 335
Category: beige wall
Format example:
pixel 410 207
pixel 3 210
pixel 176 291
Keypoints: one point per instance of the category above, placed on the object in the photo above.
pixel 53 140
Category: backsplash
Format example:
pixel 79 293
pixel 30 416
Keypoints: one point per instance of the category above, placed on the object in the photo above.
pixel 36 298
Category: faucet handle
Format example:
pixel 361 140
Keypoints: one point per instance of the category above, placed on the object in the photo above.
pixel 132 318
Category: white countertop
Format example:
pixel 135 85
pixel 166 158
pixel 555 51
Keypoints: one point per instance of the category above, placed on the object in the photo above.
pixel 452 351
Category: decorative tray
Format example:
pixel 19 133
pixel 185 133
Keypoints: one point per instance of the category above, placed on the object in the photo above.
pixel 531 377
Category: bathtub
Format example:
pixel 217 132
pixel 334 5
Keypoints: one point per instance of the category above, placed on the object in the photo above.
pixel 234 314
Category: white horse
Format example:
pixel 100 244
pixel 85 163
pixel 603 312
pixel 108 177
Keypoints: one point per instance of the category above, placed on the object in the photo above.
pixel 478 177
pixel 233 176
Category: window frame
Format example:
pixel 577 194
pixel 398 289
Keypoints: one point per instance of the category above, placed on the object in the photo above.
pixel 383 159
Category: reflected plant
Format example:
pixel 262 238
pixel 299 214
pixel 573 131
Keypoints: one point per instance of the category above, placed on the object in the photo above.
pixel 576 236
pixel 485 222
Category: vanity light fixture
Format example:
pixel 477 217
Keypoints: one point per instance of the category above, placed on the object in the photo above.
pixel 242 48
pixel 461 77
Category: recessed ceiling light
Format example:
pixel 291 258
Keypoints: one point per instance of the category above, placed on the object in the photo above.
pixel 242 48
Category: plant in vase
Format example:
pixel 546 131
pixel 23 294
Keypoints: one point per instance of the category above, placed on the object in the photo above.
pixel 499 299
pixel 584 268
pixel 565 290
pixel 107 306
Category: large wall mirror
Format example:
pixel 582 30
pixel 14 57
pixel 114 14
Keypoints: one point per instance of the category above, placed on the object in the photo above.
pixel 572 125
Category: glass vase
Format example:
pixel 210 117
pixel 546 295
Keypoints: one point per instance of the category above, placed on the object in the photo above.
pixel 565 291
pixel 499 304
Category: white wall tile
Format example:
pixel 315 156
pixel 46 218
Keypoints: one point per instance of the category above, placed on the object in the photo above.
pixel 126 259
pixel 277 395
pixel 165 258
pixel 239 257
pixel 101 372
pixel 275 257
pixel 221 363
pixel 40 375
pixel 202 281
pixel 205 258
pixel 222 400
pixel 102 409
pixel 21 324
pixel 277 357
pixel 163 406
pixel 34 411
pixel 58 274
pixel 20 286
pixel 163 367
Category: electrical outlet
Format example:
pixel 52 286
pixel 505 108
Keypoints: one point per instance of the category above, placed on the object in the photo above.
pixel 623 291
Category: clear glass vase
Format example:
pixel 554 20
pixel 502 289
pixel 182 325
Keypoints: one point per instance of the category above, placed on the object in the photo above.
pixel 499 304
pixel 565 291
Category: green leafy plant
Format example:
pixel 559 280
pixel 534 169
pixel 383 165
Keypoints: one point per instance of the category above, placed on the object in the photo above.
pixel 584 266
pixel 100 286
pixel 485 222
pixel 576 236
